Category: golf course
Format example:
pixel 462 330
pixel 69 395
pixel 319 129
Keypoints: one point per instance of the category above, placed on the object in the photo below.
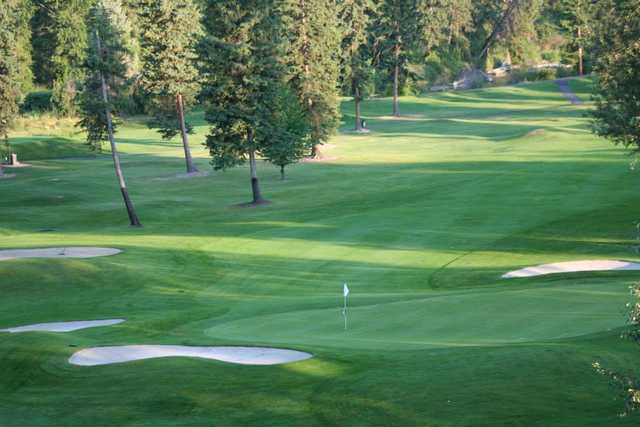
pixel 421 217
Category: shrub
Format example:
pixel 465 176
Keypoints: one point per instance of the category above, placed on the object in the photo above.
pixel 37 102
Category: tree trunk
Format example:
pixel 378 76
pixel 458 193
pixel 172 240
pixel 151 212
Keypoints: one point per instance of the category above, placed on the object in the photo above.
pixel 396 82
pixel 356 99
pixel 133 218
pixel 255 185
pixel 282 172
pixel 185 139
pixel 580 54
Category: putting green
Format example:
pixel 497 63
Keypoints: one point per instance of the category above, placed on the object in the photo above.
pixel 444 319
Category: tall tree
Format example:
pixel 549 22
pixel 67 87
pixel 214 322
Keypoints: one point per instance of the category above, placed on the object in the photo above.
pixel 69 51
pixel 42 40
pixel 445 27
pixel 575 20
pixel 242 73
pixel 356 17
pixel 617 46
pixel 396 32
pixel 501 23
pixel 24 14
pixel 9 81
pixel 170 31
pixel 616 40
pixel 287 138
pixel 105 62
pixel 313 58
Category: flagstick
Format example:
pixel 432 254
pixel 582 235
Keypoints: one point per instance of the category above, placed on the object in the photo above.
pixel 344 311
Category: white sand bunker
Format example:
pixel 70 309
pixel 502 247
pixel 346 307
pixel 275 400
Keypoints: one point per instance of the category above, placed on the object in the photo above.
pixel 71 252
pixel 241 355
pixel 572 267
pixel 63 326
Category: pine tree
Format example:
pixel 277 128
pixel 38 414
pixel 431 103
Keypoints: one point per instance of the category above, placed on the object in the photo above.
pixel 170 31
pixel 9 81
pixel 242 72
pixel 42 40
pixel 24 13
pixel 575 20
pixel 313 57
pixel 396 35
pixel 356 18
pixel 69 31
pixel 445 29
pixel 617 45
pixel 287 138
pixel 105 62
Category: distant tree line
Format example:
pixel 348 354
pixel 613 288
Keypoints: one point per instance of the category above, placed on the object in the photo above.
pixel 269 73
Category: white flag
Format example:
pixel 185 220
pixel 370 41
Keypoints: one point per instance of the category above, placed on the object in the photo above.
pixel 346 290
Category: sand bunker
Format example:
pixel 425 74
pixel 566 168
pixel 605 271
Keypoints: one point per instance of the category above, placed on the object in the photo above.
pixel 72 252
pixel 63 326
pixel 572 267
pixel 241 355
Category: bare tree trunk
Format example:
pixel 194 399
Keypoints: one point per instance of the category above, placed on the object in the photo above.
pixel 185 139
pixel 356 99
pixel 580 54
pixel 255 184
pixel 396 81
pixel 282 172
pixel 133 218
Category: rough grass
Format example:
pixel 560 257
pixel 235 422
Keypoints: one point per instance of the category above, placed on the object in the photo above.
pixel 421 217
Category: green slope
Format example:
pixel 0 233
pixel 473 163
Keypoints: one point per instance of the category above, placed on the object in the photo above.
pixel 421 217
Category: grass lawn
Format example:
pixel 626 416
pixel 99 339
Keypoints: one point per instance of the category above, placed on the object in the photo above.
pixel 421 217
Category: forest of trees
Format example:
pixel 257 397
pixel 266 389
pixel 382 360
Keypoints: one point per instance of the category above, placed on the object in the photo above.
pixel 269 73
pixel 382 47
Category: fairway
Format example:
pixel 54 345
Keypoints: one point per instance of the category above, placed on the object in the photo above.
pixel 421 217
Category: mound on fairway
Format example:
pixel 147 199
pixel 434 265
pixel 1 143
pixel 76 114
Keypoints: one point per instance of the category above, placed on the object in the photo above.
pixel 572 267
pixel 63 326
pixel 71 252
pixel 240 355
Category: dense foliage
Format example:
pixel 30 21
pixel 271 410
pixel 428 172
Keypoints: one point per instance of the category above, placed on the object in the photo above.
pixel 617 43
pixel 312 56
pixel 169 34
pixel 104 70
pixel 242 77
pixel 9 67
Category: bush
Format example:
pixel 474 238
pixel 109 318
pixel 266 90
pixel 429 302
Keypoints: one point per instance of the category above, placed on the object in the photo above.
pixel 519 76
pixel 566 72
pixel 37 102
pixel 546 74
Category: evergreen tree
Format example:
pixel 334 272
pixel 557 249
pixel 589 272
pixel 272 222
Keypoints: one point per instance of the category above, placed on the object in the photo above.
pixel 617 45
pixel 445 28
pixel 396 35
pixel 239 59
pixel 170 30
pixel 69 49
pixel 24 13
pixel 313 58
pixel 575 20
pixel 105 62
pixel 9 82
pixel 356 18
pixel 42 40
pixel 287 138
